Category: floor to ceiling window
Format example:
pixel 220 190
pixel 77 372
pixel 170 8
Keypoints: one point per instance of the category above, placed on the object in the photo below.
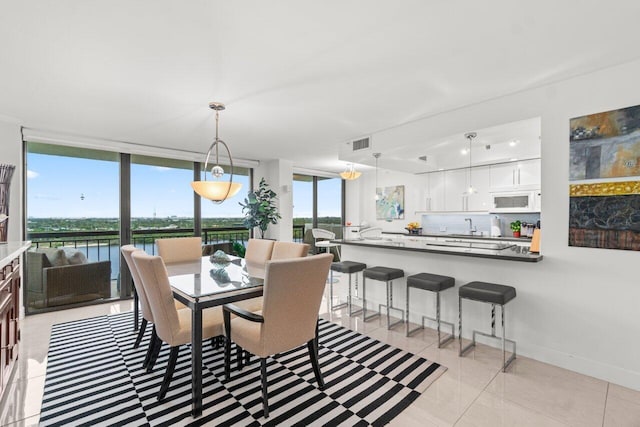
pixel 72 209
pixel 222 222
pixel 317 203
pixel 329 208
pixel 161 200
pixel 302 207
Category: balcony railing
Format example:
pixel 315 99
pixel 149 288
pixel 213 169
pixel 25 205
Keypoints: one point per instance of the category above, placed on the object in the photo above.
pixel 105 245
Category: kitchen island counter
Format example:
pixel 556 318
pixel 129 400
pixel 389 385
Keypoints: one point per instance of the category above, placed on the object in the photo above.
pixel 497 249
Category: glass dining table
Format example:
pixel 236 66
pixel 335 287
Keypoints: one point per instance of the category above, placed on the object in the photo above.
pixel 207 283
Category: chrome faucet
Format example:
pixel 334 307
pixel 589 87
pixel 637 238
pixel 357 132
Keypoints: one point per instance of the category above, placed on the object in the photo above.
pixel 472 229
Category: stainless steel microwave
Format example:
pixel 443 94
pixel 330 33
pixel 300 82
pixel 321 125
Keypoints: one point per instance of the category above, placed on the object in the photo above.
pixel 515 201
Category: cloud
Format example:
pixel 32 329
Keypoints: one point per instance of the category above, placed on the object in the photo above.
pixel 32 174
pixel 161 168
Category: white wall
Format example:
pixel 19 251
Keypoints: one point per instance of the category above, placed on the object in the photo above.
pixel 415 196
pixel 578 308
pixel 279 176
pixel 11 153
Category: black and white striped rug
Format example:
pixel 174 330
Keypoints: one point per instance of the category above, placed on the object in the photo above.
pixel 94 377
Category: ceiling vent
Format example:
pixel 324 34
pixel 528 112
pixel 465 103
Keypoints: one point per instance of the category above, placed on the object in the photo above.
pixel 423 158
pixel 360 144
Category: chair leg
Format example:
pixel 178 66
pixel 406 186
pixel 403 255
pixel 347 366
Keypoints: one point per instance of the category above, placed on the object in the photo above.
pixel 239 356
pixel 152 342
pixel 313 355
pixel 263 374
pixel 141 330
pixel 155 351
pixel 227 344
pixel 171 366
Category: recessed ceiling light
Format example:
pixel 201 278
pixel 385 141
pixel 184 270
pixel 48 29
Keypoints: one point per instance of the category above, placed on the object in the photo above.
pixel 440 169
pixel 513 143
pixel 513 160
pixel 463 151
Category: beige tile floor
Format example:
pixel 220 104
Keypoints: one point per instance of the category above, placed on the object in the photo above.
pixel 473 391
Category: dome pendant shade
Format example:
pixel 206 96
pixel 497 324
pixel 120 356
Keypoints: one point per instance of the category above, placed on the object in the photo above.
pixel 217 191
pixel 350 174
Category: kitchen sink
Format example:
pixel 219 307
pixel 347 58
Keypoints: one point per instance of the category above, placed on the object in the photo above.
pixel 472 245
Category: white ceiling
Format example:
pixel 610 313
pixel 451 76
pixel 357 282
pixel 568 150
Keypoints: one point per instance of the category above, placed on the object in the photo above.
pixel 299 77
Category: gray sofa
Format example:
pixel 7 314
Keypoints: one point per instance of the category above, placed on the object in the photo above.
pixel 60 276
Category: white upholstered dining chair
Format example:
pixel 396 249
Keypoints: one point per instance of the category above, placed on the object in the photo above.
pixel 293 291
pixel 284 250
pixel 180 249
pixel 258 251
pixel 172 326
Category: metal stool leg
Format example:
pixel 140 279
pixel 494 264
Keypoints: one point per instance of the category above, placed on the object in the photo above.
pixel 351 297
pixel 366 318
pixel 390 307
pixel 337 306
pixel 505 362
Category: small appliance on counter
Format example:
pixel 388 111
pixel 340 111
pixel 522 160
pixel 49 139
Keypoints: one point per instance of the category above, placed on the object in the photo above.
pixel 495 226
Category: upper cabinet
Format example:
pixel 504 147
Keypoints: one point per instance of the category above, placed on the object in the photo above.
pixel 436 191
pixel 448 190
pixel 519 175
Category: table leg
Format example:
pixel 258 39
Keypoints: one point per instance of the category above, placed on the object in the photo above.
pixel 196 360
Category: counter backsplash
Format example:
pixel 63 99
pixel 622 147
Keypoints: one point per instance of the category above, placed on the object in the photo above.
pixel 455 223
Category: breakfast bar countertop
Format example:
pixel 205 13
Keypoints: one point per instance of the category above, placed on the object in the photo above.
pixel 451 245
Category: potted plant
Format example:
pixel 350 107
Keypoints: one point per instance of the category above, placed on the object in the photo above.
pixel 515 227
pixel 260 208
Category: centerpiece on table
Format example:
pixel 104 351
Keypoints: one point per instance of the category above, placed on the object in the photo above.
pixel 413 228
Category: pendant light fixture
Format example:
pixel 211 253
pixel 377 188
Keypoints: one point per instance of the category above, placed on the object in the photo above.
pixel 377 156
pixel 217 190
pixel 350 174
pixel 470 136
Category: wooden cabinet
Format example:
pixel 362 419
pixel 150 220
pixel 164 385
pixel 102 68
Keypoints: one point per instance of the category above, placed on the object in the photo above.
pixel 10 282
pixel 520 175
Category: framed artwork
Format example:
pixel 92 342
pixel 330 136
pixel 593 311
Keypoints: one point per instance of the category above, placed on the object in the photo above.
pixel 605 145
pixel 390 202
pixel 605 215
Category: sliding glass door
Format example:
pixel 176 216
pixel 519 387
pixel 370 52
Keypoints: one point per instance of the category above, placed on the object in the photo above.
pixel 72 203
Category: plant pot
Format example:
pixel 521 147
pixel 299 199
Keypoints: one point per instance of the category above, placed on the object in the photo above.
pixel 516 234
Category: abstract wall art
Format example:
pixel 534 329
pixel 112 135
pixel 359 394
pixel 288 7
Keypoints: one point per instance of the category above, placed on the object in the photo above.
pixel 605 145
pixel 605 215
pixel 390 202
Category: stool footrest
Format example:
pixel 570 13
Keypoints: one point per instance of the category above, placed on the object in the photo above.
pixel 442 342
pixel 484 334
pixel 338 306
pixel 369 317
pixel 394 323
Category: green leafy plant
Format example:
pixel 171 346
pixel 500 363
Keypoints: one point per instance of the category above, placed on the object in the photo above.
pixel 515 226
pixel 260 208
pixel 238 248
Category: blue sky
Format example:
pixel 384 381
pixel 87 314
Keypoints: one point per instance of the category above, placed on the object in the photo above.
pixel 70 187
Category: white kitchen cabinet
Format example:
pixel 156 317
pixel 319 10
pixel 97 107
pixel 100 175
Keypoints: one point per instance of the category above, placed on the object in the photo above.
pixel 435 196
pixel 517 175
pixel 457 185
pixel 480 200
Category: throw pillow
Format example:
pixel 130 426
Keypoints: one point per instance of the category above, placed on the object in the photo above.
pixel 74 256
pixel 56 256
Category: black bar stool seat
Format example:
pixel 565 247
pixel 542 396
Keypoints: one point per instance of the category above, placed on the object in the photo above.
pixel 489 293
pixel 382 274
pixel 346 267
pixel 432 283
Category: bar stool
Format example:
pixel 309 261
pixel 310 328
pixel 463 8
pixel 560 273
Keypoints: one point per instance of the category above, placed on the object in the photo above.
pixel 382 274
pixel 489 293
pixel 350 268
pixel 433 283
